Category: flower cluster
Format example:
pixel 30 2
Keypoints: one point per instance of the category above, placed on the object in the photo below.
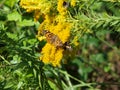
pixel 38 6
pixel 55 16
pixel 51 54
pixel 60 27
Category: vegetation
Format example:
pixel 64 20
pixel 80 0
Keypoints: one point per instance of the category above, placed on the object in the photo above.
pixel 86 56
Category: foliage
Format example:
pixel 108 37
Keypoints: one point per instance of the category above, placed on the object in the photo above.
pixel 93 63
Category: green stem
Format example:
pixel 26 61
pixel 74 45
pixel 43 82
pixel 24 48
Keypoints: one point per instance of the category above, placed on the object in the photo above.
pixel 4 59
pixel 69 82
pixel 105 42
pixel 82 83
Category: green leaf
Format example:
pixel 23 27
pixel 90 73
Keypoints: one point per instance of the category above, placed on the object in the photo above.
pixel 106 23
pixel 18 72
pixel 118 29
pixel 98 25
pixel 26 48
pixel 12 36
pixel 16 59
pixel 29 75
pixel 35 72
pixel 115 22
pixel 98 57
pixel 92 41
pixel 10 3
pixel 54 87
pixel 8 85
pixel 2 78
pixel 14 16
pixel 26 22
pixel 32 41
pixel 19 85
pixel 2 27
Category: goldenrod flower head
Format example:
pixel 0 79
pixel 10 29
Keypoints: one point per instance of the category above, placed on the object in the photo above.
pixel 61 8
pixel 51 55
pixel 58 57
pixel 59 27
pixel 49 19
pixel 39 6
pixel 40 38
pixel 73 3
pixel 56 23
pixel 37 15
pixel 45 24
pixel 30 5
pixel 63 31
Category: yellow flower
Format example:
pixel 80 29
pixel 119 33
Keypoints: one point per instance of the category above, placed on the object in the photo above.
pixel 54 22
pixel 64 31
pixel 61 8
pixel 37 15
pixel 73 3
pixel 58 57
pixel 30 4
pixel 40 38
pixel 59 27
pixel 39 6
pixel 51 55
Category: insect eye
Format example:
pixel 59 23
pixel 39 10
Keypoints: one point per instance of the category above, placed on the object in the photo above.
pixel 65 4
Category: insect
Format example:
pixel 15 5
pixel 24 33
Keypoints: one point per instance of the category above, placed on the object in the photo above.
pixel 65 4
pixel 52 38
pixel 55 40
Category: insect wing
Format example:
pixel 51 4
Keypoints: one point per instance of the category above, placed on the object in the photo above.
pixel 52 38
